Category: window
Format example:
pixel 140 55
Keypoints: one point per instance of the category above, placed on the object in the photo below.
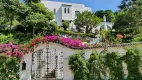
pixel 23 65
pixel 54 11
pixel 64 10
pixel 68 10
pixel 76 13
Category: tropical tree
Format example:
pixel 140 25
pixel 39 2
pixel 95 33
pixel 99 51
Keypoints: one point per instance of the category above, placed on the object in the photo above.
pixel 113 62
pixel 129 18
pixel 51 28
pixel 96 69
pixel 10 8
pixel 40 8
pixel 78 65
pixel 134 64
pixel 29 1
pixel 110 15
pixel 35 15
pixel 2 16
pixel 23 11
pixel 35 19
pixel 86 21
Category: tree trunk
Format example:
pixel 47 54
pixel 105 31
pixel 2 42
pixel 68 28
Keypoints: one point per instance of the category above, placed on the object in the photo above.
pixel 11 22
pixel 33 31
pixel 88 29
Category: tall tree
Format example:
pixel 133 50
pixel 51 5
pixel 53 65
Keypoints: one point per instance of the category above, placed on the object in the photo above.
pixel 10 8
pixel 40 8
pixel 78 65
pixel 86 21
pixel 29 1
pixel 2 12
pixel 35 19
pixel 129 18
pixel 134 64
pixel 110 15
pixel 126 4
pixel 96 69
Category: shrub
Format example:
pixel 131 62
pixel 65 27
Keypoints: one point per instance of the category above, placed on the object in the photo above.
pixel 78 65
pixel 6 39
pixel 107 65
pixel 9 68
pixel 50 29
pixel 74 34
pixel 137 38
pixel 65 24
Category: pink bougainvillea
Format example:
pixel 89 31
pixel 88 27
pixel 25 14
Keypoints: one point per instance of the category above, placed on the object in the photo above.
pixel 72 43
pixel 19 50
pixel 12 50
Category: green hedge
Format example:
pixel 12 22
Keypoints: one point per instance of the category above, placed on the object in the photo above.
pixel 70 33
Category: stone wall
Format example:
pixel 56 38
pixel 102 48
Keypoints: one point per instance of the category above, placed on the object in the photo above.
pixel 67 73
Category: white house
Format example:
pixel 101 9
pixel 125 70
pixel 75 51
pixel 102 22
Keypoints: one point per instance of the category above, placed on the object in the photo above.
pixel 65 11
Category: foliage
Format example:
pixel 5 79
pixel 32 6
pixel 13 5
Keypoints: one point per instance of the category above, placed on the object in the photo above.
pixel 129 19
pixel 70 33
pixel 134 61
pixel 113 62
pixel 50 29
pixel 23 11
pixel 137 38
pixel 39 18
pixel 10 8
pixel 108 37
pixel 109 65
pixel 86 21
pixel 40 8
pixel 78 65
pixel 110 16
pixel 95 67
pixel 9 68
pixel 65 24
pixel 125 22
pixel 6 39
pixel 2 12
pixel 35 20
pixel 30 1
pixel 15 37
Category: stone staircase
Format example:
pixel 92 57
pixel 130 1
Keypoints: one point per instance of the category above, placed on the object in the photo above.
pixel 50 76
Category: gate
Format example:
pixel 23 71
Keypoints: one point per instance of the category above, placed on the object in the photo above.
pixel 47 64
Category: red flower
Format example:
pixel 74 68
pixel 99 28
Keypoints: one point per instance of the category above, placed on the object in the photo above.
pixel 119 36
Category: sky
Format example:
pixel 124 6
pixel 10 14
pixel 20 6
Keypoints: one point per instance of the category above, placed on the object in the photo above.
pixel 97 4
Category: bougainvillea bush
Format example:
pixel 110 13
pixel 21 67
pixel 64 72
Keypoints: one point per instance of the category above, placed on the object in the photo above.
pixel 72 43
pixel 13 50
pixel 21 49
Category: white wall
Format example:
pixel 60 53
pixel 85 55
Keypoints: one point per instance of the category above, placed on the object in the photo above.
pixel 68 75
pixel 26 74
